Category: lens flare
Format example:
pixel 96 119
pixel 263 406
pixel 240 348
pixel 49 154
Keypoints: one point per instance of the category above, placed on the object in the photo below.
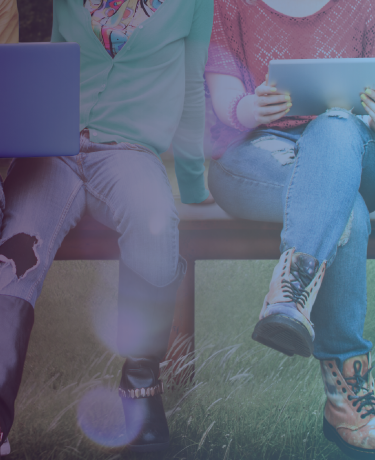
pixel 100 416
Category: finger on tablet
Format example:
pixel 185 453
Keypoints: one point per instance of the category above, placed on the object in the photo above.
pixel 273 99
pixel 368 110
pixel 264 89
pixel 275 109
pixel 368 101
pixel 370 92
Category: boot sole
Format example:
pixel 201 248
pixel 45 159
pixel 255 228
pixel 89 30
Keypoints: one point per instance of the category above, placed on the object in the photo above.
pixel 351 451
pixel 284 334
pixel 148 447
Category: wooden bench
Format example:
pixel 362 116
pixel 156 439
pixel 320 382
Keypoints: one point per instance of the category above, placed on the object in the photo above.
pixel 206 233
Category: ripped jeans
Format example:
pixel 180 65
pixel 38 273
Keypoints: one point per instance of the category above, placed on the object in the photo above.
pixel 319 180
pixel 127 190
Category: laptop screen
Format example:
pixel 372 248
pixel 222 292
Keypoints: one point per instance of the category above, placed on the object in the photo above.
pixel 40 99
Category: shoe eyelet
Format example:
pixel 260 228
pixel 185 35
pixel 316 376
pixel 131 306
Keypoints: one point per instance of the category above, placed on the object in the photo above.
pixel 320 276
pixel 282 274
pixel 310 290
pixel 334 374
pixel 285 261
pixel 344 390
pixel 329 364
pixel 315 284
pixel 338 382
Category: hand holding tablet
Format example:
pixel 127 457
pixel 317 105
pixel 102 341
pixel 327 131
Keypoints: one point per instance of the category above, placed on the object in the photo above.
pixel 265 106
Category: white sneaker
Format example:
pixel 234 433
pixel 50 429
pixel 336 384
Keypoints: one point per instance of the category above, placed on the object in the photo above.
pixel 5 448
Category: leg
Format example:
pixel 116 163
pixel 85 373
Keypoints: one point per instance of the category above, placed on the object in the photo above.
pixel 323 186
pixel 249 182
pixel 316 211
pixel 130 192
pixel 45 199
pixel 340 309
pixel 334 147
pixel 339 316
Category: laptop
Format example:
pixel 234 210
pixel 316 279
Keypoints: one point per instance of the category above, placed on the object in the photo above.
pixel 39 103
pixel 316 85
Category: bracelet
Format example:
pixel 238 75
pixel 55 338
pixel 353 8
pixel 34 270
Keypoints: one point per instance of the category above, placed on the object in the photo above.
pixel 232 113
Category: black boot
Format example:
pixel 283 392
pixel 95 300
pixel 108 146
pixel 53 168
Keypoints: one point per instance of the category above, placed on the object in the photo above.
pixel 16 322
pixel 145 320
pixel 140 391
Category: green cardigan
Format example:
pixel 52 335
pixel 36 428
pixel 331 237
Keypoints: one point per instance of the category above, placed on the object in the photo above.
pixel 152 92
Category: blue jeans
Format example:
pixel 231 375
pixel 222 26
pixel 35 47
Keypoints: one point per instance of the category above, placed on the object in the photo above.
pixel 127 190
pixel 319 180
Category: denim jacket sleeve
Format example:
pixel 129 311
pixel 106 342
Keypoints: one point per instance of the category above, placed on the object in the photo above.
pixel 188 139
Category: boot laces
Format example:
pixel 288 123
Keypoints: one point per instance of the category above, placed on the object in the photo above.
pixel 357 383
pixel 295 289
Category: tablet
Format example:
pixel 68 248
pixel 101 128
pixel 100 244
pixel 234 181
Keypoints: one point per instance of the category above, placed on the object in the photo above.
pixel 316 85
pixel 39 99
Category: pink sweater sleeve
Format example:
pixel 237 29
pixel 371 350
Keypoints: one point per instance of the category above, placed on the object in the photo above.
pixel 225 52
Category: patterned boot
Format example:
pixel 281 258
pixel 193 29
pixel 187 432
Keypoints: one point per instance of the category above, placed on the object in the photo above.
pixel 284 321
pixel 349 413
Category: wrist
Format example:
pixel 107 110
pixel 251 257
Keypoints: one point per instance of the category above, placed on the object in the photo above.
pixel 245 112
pixel 238 123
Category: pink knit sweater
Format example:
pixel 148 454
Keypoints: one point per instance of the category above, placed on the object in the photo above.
pixel 247 34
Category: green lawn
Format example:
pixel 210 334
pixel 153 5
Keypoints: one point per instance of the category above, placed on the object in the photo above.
pixel 248 402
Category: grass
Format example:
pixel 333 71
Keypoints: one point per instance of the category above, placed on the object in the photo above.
pixel 247 402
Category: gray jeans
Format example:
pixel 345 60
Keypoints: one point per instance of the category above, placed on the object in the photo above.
pixel 125 187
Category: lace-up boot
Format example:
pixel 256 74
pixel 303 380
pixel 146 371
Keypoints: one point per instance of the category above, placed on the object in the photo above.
pixel 284 321
pixel 349 413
